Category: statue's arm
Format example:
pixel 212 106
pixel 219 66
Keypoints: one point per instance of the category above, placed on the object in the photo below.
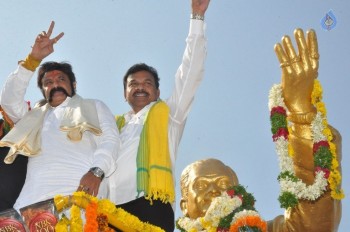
pixel 299 71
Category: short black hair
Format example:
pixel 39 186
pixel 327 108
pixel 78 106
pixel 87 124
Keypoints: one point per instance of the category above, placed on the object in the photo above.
pixel 60 66
pixel 141 67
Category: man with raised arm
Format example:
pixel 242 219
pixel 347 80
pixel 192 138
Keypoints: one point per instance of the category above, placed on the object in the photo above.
pixel 150 132
pixel 71 142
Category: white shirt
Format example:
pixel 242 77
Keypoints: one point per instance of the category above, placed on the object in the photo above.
pixel 61 163
pixel 188 77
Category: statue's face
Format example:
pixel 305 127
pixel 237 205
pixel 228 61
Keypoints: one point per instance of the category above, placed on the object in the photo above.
pixel 207 181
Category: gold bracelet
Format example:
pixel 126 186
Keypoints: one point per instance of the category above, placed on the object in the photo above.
pixel 302 118
pixel 30 63
pixel 197 16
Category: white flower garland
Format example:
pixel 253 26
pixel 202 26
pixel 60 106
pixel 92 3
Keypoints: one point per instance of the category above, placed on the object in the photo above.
pixel 220 207
pixel 317 128
pixel 298 188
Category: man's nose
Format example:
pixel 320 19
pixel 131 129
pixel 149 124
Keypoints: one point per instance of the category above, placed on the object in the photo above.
pixel 139 86
pixel 55 83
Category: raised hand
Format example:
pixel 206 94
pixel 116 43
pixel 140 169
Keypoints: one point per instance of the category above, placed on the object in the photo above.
pixel 43 45
pixel 298 70
pixel 200 6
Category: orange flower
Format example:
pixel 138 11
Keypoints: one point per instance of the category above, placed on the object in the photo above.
pixel 251 221
pixel 91 224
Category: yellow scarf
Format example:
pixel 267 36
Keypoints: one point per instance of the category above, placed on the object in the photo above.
pixel 154 170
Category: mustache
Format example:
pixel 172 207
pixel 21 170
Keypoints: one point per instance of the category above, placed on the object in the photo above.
pixel 140 91
pixel 57 89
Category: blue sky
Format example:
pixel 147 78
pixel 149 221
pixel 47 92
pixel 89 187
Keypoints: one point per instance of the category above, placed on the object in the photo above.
pixel 230 118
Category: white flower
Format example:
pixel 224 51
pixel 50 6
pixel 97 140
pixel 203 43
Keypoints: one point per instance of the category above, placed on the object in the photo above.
pixel 188 224
pixel 244 213
pixel 317 128
pixel 275 97
pixel 221 207
pixel 286 162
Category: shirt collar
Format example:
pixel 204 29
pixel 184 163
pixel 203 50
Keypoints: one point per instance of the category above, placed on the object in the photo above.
pixel 139 114
pixel 63 104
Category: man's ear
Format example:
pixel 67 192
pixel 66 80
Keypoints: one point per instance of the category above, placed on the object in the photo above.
pixel 183 206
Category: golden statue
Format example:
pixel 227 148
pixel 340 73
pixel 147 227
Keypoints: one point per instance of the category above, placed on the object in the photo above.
pixel 201 182
pixel 311 149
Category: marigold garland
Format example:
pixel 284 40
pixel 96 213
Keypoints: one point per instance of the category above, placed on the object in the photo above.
pixel 325 160
pixel 334 178
pixel 91 224
pixel 102 221
pixel 76 224
pixel 62 225
pixel 248 221
pixel 115 216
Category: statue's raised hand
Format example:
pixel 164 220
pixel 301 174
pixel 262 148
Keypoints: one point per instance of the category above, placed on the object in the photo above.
pixel 298 70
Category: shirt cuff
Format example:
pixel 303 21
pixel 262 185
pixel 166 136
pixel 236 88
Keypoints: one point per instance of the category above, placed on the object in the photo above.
pixel 197 27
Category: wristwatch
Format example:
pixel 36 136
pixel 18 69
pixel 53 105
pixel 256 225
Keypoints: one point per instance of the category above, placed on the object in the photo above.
pixel 98 172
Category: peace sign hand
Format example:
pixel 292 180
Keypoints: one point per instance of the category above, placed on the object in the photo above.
pixel 43 45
